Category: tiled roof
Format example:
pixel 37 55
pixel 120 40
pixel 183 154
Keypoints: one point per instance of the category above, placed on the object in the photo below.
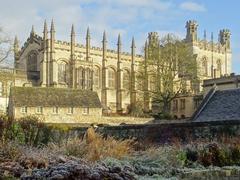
pixel 222 105
pixel 47 97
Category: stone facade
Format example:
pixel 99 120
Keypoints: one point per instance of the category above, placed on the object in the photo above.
pixel 64 114
pixel 9 78
pixel 112 74
pixel 55 105
pixel 214 61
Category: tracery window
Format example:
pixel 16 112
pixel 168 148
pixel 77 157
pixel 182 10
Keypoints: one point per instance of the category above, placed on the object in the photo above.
pixel 81 75
pixel 88 78
pixel 32 62
pixel 126 80
pixel 96 80
pixel 62 72
pixel 111 78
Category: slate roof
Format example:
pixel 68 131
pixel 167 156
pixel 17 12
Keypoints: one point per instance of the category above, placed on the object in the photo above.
pixel 221 105
pixel 48 97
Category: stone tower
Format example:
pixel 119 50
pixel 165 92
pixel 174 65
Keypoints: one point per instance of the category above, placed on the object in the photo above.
pixel 191 27
pixel 224 37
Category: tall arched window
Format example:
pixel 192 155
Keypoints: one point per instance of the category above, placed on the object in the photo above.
pixel 32 69
pixel 126 80
pixel 219 68
pixel 88 78
pixel 96 78
pixel 32 62
pixel 80 77
pixel 204 67
pixel 111 78
pixel 62 72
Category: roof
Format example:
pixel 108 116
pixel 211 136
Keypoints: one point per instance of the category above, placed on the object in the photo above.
pixel 219 105
pixel 47 97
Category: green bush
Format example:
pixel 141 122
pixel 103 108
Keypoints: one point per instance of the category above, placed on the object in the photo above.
pixel 31 127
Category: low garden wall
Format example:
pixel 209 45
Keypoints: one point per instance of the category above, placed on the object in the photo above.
pixel 161 133
pixel 185 131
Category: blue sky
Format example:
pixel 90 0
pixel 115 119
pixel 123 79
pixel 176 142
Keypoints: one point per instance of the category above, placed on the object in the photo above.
pixel 128 17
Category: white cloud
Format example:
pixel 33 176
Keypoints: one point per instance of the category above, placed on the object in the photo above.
pixel 192 6
pixel 128 17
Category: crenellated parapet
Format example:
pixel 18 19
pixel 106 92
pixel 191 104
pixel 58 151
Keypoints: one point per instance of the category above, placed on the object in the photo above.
pixel 34 38
pixel 221 46
pixel 216 47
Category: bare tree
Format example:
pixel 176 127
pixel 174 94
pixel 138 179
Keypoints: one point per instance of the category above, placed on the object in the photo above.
pixel 169 68
pixel 5 46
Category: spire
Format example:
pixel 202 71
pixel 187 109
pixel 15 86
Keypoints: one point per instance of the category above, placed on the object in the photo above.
pixel 45 26
pixel 119 40
pixel 16 44
pixel 88 33
pixel 72 30
pixel 16 40
pixel 205 35
pixel 32 31
pixel 212 36
pixel 88 45
pixel 45 30
pixel 52 26
pixel 133 43
pixel 104 36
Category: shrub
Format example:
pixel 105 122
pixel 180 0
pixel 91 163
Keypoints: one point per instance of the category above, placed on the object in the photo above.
pixel 94 147
pixel 9 129
pixel 31 127
pixel 191 154
pixel 9 152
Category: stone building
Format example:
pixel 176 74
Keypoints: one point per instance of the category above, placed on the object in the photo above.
pixel 48 62
pixel 54 104
pixel 214 61
pixel 221 99
pixel 9 78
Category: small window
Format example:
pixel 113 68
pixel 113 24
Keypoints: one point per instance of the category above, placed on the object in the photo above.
pixel 85 110
pixel 24 109
pixel 55 110
pixel 70 110
pixel 182 104
pixel 39 110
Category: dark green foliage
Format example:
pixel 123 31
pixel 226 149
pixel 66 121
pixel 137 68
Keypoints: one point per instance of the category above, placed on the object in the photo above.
pixel 31 127
pixel 162 115
pixel 192 154
pixel 9 129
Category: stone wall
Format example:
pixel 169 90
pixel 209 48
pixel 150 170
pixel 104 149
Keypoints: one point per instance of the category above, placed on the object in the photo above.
pixel 161 133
